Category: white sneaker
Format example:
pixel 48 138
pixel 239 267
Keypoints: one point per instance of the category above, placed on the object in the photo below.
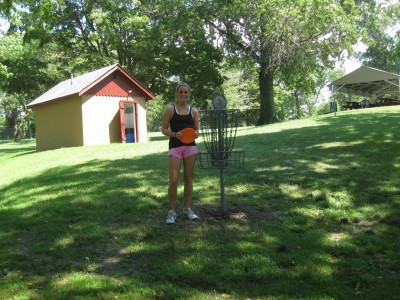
pixel 171 217
pixel 190 214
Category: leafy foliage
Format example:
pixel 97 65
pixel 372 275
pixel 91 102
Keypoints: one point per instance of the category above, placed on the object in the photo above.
pixel 284 39
pixel 5 7
pixel 29 73
pixel 240 88
pixel 27 66
pixel 383 39
pixel 158 42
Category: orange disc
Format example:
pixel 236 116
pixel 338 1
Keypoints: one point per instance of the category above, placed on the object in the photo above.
pixel 188 135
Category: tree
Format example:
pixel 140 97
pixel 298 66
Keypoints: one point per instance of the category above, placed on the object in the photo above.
pixel 381 37
pixel 5 7
pixel 29 73
pixel 4 74
pixel 282 38
pixel 240 88
pixel 159 42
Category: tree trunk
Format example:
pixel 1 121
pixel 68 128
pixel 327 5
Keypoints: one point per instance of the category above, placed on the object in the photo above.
pixel 267 109
pixel 297 103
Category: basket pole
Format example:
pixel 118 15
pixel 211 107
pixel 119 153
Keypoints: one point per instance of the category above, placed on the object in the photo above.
pixel 222 187
pixel 221 159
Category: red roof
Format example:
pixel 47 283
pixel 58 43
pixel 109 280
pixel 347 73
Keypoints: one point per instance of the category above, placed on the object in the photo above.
pixel 82 84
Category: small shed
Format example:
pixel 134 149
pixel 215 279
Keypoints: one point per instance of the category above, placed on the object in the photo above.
pixel 104 106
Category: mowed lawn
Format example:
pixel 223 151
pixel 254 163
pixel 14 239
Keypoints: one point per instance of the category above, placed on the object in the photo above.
pixel 313 214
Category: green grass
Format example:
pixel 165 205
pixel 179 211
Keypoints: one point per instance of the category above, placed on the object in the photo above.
pixel 314 214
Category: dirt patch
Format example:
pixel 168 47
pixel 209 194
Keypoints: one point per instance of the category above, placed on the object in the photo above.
pixel 208 213
pixel 116 260
pixel 24 242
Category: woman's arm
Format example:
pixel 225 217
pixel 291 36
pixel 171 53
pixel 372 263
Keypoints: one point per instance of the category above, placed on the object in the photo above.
pixel 196 120
pixel 168 114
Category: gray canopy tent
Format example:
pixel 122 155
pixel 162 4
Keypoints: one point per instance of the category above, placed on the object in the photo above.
pixel 367 82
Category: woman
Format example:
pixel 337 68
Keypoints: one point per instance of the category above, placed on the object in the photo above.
pixel 177 117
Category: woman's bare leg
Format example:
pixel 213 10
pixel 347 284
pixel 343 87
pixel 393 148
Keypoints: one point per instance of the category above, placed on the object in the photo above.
pixel 174 167
pixel 188 166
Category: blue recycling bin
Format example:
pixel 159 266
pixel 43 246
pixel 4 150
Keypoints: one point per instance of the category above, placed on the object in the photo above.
pixel 130 135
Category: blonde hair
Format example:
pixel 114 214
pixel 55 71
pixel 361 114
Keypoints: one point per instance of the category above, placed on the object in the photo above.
pixel 182 84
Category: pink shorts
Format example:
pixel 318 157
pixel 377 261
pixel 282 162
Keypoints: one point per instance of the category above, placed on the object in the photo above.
pixel 183 151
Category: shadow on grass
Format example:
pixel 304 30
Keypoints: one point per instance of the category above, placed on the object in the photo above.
pixel 314 214
pixel 154 138
pixel 17 149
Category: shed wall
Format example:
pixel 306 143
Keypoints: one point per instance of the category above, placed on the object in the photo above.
pixel 101 121
pixel 142 120
pixel 59 124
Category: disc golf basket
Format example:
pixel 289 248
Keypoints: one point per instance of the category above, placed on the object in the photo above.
pixel 218 130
